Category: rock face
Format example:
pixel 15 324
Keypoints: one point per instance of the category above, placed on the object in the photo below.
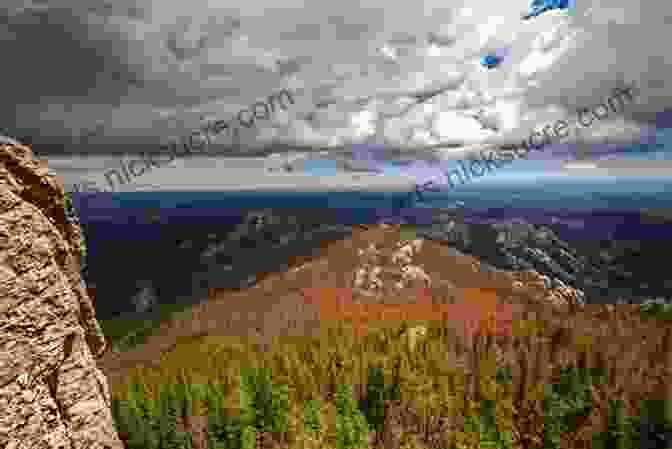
pixel 600 272
pixel 52 395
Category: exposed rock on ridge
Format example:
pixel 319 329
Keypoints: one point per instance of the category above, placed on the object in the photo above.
pixel 600 272
pixel 52 395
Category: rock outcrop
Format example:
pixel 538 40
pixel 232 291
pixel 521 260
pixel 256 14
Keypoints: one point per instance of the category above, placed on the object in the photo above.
pixel 52 394
pixel 382 272
pixel 601 272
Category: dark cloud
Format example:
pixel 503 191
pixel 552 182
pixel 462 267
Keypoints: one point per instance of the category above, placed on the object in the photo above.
pixel 59 57
pixel 58 54
pixel 99 75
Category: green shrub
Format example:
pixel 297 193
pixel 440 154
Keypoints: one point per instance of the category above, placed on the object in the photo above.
pixel 377 394
pixel 264 405
pixel 486 427
pixel 127 422
pixel 504 375
pixel 567 402
pixel 626 432
pixel 127 334
pixel 651 430
pixel 656 310
pixel 312 416
pixel 169 410
pixel 619 434
pixel 135 337
pixel 374 403
pixel 135 416
pixel 352 431
pixel 226 432
pixel 249 438
pixel 407 232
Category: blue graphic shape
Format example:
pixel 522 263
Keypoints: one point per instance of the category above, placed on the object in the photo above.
pixel 539 7
pixel 491 61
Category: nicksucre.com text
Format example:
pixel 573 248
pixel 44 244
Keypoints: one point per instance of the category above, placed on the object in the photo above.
pixel 491 159
pixel 198 140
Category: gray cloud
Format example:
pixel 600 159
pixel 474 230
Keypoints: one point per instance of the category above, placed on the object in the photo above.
pixel 118 76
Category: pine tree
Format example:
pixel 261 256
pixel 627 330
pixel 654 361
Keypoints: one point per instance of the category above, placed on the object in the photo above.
pixel 351 427
pixel 312 416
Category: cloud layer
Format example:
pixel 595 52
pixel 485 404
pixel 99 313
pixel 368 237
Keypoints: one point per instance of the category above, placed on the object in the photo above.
pixel 98 76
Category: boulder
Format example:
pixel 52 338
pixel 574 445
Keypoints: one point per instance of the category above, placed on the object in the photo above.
pixel 145 300
pixel 52 394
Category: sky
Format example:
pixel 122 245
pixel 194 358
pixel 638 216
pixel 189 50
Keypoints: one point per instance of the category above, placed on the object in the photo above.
pixel 102 77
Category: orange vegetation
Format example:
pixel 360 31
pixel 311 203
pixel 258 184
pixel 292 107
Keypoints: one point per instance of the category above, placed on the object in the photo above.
pixel 479 313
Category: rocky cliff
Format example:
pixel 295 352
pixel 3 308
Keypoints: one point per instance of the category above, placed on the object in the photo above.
pixel 52 394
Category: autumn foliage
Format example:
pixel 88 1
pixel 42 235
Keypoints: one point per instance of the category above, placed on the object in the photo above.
pixel 479 313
